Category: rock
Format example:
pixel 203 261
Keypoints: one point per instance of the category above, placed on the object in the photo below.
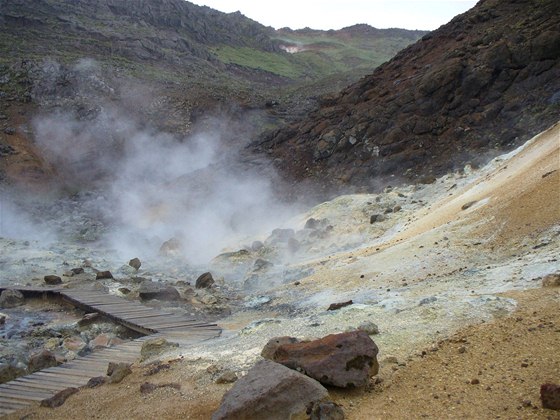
pixel 59 398
pixel 3 318
pixel 10 131
pixel 97 381
pixel 270 348
pixel 135 263
pixel 279 236
pixel 204 281
pixel 171 248
pixel 397 208
pixel 261 264
pixel 155 347
pixel 374 218
pixel 369 328
pixel 52 280
pixel 11 298
pixel 270 391
pixel 335 306
pixel 101 341
pixel 343 360
pixel 326 411
pixel 89 319
pixel 101 275
pixel 77 270
pixel 75 344
pixel 124 290
pixel 118 371
pixel 148 388
pixel 41 360
pixel 551 280
pixel 9 372
pixel 227 377
pixel 311 224
pixel 468 205
pixel 550 396
pixel 150 290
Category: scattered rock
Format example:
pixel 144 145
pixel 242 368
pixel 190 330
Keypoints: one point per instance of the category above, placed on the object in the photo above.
pixel 204 281
pixel 101 275
pixel 468 205
pixel 148 388
pixel 118 371
pixel 369 328
pixel 9 372
pixel 97 381
pixel 397 208
pixel 11 298
pixel 52 280
pixel 550 396
pixel 551 280
pixel 75 344
pixel 77 270
pixel 59 398
pixel 155 347
pixel 427 300
pixel 101 341
pixel 335 306
pixel 227 377
pixel 311 224
pixel 135 263
pixel 41 360
pixel 327 410
pixel 124 290
pixel 10 131
pixel 270 348
pixel 270 391
pixel 170 248
pixel 374 218
pixel 150 290
pixel 3 318
pixel 343 360
pixel 89 319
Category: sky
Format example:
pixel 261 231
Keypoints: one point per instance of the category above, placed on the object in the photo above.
pixel 336 14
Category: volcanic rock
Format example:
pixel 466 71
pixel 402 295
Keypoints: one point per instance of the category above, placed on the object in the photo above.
pixel 227 377
pixel 3 318
pixel 279 236
pixel 59 398
pixel 335 306
pixel 155 347
pixel 326 411
pixel 52 280
pixel 135 263
pixel 77 270
pixel 270 348
pixel 150 290
pixel 550 396
pixel 41 360
pixel 118 371
pixel 9 372
pixel 101 275
pixel 11 298
pixel 551 280
pixel 204 281
pixel 374 218
pixel 97 381
pixel 269 391
pixel 343 360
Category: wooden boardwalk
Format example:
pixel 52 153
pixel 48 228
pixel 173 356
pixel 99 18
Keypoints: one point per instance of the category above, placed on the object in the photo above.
pixel 27 390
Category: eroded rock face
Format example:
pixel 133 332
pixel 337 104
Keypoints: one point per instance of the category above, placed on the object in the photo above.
pixel 270 391
pixel 343 360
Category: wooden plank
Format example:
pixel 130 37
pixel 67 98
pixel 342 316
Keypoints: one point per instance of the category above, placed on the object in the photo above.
pixel 22 394
pixel 41 385
pixel 8 400
pixel 67 382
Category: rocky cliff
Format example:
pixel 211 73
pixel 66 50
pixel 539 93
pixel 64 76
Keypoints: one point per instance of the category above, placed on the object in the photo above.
pixel 481 84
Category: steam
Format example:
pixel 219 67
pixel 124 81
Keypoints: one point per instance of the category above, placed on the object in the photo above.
pixel 154 186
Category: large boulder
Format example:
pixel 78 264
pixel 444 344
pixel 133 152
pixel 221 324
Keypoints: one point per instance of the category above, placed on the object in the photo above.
pixel 150 290
pixel 41 360
pixel 270 391
pixel 11 298
pixel 204 281
pixel 343 360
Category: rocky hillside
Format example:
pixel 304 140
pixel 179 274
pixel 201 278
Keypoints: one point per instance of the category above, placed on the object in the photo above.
pixel 483 83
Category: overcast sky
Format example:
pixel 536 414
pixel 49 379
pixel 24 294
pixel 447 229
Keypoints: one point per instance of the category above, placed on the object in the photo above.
pixel 336 14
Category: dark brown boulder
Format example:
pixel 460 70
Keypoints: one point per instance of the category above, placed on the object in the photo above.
pixel 41 360
pixel 150 290
pixel 550 396
pixel 59 398
pixel 343 360
pixel 204 281
pixel 101 275
pixel 135 263
pixel 52 280
pixel 270 391
pixel 118 371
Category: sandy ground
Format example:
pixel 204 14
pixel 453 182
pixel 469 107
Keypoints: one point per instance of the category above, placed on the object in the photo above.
pixel 455 273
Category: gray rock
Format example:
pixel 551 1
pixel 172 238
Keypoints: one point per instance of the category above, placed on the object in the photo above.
pixel 41 360
pixel 227 377
pixel 155 347
pixel 257 246
pixel 101 275
pixel 52 280
pixel 150 290
pixel 11 298
pixel 326 411
pixel 204 281
pixel 118 371
pixel 369 328
pixel 280 236
pixel 135 263
pixel 374 218
pixel 270 391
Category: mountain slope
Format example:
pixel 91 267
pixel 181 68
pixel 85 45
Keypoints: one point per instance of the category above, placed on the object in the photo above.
pixel 484 82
